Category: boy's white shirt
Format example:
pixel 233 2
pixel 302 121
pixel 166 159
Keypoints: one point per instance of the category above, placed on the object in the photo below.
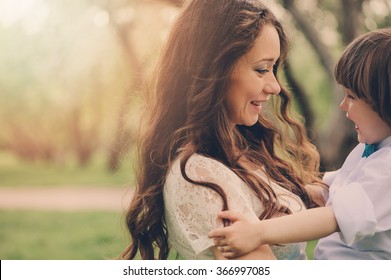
pixel 360 195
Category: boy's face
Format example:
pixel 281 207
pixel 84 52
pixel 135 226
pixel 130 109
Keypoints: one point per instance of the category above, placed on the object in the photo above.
pixel 371 129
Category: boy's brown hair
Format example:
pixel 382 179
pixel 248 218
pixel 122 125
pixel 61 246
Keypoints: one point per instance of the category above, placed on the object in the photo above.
pixel 365 69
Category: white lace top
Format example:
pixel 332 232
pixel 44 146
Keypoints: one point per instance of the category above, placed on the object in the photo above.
pixel 191 210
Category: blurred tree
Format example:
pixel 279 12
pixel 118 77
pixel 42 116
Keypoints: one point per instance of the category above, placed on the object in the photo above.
pixel 123 137
pixel 60 72
pixel 71 71
pixel 127 23
pixel 336 139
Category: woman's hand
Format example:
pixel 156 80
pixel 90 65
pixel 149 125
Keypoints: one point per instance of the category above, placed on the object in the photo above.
pixel 241 237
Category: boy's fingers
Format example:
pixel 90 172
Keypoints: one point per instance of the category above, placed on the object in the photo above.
pixel 219 241
pixel 212 234
pixel 216 233
pixel 227 253
pixel 224 249
pixel 230 215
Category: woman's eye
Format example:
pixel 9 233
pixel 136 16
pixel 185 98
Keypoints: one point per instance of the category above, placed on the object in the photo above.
pixel 262 71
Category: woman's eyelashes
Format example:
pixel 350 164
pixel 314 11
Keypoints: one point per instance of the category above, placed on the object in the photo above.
pixel 262 71
pixel 265 69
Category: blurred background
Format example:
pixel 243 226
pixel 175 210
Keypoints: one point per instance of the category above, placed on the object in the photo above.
pixel 71 79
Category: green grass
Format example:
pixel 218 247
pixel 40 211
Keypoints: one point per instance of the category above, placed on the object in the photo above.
pixel 65 235
pixel 310 249
pixel 40 235
pixel 61 235
pixel 15 172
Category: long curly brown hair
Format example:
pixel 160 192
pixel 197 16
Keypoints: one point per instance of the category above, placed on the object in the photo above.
pixel 187 113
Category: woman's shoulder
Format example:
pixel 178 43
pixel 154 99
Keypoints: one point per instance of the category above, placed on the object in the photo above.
pixel 201 168
pixel 201 165
pixel 200 159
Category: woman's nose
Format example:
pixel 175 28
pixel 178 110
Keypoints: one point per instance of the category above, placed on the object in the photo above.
pixel 272 86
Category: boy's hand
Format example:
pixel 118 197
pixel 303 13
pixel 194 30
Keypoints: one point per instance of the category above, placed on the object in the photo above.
pixel 241 237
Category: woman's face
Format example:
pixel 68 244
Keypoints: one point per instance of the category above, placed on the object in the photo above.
pixel 371 129
pixel 252 80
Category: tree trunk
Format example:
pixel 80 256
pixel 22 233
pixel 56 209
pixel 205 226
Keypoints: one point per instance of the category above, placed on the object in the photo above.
pixel 123 137
pixel 338 138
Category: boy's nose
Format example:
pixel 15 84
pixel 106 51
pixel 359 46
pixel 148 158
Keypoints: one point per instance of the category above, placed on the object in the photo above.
pixel 342 105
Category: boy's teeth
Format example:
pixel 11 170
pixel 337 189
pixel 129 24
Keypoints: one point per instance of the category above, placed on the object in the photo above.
pixel 256 103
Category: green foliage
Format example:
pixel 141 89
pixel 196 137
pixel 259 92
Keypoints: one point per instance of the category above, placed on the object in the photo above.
pixel 308 71
pixel 62 76
pixel 67 67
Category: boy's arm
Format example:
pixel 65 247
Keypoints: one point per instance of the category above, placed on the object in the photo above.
pixel 301 226
pixel 244 235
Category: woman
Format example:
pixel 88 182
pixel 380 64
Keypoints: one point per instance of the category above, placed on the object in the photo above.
pixel 209 143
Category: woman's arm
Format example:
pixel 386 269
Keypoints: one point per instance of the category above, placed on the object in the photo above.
pixel 246 234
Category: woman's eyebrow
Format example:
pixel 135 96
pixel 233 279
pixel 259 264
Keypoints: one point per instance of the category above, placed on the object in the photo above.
pixel 266 60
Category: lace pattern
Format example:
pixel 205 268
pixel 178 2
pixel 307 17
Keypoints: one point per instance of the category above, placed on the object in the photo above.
pixel 191 210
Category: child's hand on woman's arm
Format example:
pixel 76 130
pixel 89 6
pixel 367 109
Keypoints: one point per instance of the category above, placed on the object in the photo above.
pixel 244 235
pixel 241 237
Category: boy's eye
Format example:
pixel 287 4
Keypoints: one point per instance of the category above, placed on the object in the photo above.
pixel 349 94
